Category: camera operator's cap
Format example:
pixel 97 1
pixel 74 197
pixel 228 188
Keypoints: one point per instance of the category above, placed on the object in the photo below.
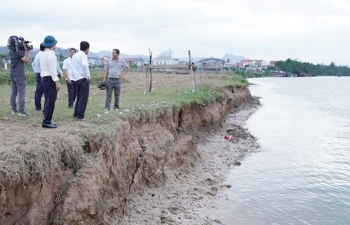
pixel 49 41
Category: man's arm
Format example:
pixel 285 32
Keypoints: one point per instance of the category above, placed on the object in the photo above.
pixel 59 71
pixel 25 58
pixel 53 72
pixel 106 75
pixel 85 65
pixel 65 68
pixel 127 69
pixel 66 76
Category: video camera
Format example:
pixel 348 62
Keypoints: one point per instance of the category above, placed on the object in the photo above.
pixel 18 43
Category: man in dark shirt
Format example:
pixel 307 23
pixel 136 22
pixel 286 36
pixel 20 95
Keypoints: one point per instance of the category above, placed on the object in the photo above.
pixel 18 80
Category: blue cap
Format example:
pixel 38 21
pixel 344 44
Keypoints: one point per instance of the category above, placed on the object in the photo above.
pixel 49 41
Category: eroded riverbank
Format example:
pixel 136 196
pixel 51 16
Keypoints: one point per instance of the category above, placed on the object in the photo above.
pixel 152 170
pixel 193 194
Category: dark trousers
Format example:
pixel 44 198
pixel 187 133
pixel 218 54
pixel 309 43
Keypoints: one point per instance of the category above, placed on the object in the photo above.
pixel 113 84
pixel 38 92
pixel 82 90
pixel 18 85
pixel 71 93
pixel 50 94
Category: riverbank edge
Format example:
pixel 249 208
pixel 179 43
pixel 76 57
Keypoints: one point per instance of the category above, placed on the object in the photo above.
pixel 147 152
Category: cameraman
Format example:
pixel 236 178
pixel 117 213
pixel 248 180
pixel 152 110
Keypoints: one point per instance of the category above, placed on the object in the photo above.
pixel 18 79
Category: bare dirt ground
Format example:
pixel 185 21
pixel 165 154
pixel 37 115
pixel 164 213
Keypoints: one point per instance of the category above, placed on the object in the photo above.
pixel 194 196
pixel 160 80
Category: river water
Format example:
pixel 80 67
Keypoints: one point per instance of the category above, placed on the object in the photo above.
pixel 302 173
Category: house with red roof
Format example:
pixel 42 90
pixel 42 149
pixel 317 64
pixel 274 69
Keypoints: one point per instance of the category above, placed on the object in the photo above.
pixel 273 63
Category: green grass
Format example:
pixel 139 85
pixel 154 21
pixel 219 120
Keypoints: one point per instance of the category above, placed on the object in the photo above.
pixel 132 103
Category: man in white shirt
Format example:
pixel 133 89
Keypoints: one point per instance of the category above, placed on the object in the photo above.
pixel 36 67
pixel 81 76
pixel 49 80
pixel 68 73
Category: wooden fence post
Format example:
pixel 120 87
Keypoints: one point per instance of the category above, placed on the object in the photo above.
pixel 193 77
pixel 148 68
pixel 144 92
pixel 150 71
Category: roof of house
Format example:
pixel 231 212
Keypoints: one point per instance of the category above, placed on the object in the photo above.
pixel 163 57
pixel 251 60
pixel 211 60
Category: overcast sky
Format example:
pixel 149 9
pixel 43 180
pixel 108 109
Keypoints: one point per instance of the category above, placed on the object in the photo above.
pixel 315 31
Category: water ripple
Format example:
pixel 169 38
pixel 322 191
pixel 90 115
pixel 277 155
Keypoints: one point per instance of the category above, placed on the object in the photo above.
pixel 302 174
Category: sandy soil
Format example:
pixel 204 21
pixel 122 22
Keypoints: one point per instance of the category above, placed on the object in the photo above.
pixel 193 198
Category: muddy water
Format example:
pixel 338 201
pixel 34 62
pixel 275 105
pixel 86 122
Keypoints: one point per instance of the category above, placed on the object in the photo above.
pixel 301 174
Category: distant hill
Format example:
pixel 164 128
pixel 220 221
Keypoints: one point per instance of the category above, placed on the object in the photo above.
pixel 65 53
pixel 100 54
pixel 165 53
pixel 233 58
pixel 104 53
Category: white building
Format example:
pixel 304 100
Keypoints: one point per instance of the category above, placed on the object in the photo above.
pixel 165 59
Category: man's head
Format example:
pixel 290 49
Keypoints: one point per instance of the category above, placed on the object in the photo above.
pixel 49 42
pixel 115 53
pixel 72 51
pixel 42 48
pixel 84 46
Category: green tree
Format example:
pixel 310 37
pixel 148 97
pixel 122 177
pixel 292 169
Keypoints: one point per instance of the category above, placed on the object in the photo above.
pixel 296 67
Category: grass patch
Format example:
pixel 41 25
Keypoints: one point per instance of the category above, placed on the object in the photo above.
pixel 132 102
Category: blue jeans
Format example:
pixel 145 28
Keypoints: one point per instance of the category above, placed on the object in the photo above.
pixel 38 92
pixel 18 85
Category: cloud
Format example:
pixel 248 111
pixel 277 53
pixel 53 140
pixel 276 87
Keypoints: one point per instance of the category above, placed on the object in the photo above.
pixel 313 31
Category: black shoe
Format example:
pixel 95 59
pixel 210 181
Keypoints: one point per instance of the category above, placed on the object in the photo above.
pixel 50 125
pixel 38 109
pixel 71 107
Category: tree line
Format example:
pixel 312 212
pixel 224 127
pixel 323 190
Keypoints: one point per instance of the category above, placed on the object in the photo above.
pixel 298 68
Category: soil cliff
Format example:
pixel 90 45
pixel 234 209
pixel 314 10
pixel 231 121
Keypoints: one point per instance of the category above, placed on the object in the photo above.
pixel 91 181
